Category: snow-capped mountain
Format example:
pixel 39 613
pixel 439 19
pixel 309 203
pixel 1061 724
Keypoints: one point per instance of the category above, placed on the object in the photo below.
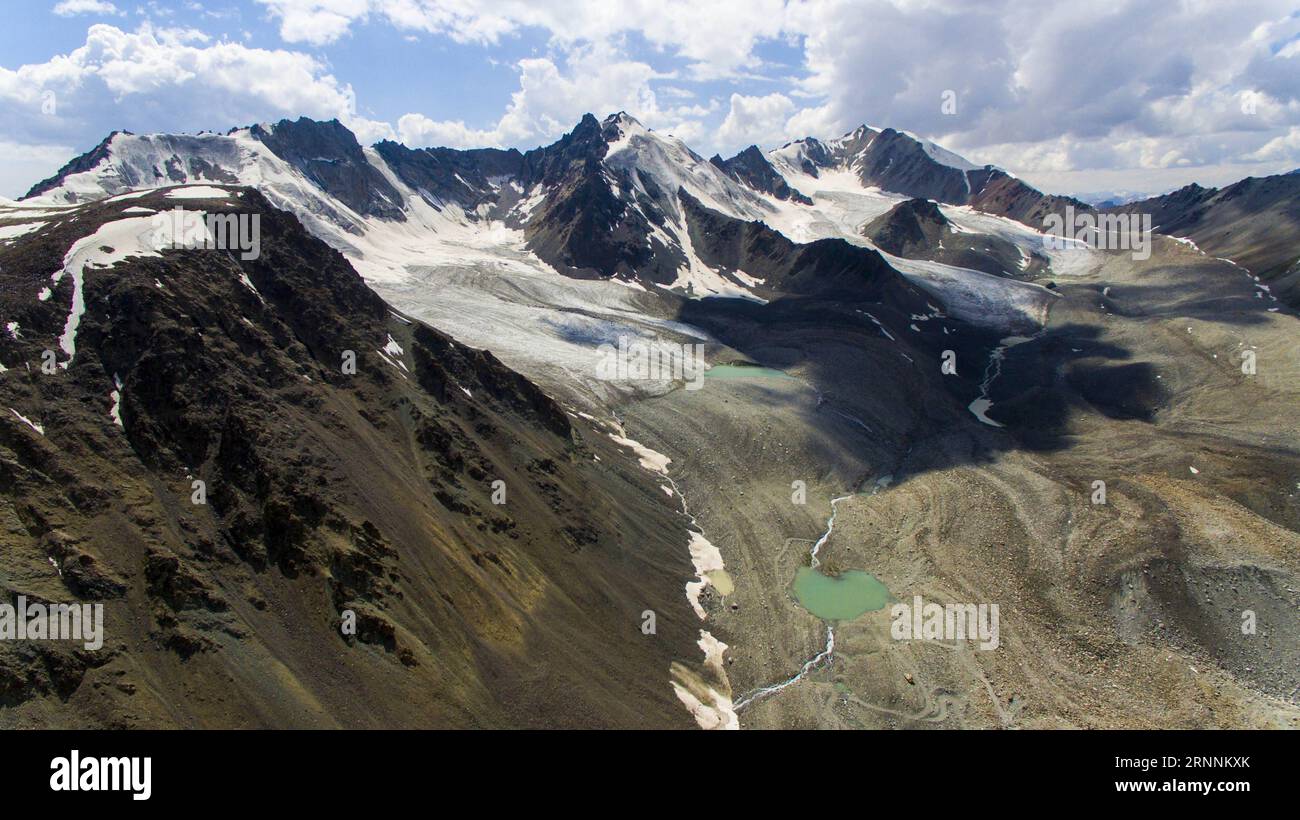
pixel 478 286
pixel 751 167
pixel 612 200
pixel 903 163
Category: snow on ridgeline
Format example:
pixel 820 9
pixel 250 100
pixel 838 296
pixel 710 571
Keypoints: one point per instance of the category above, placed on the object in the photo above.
pixel 674 165
pixel 943 156
pixel 198 192
pixel 643 153
pixel 843 205
pixel 438 261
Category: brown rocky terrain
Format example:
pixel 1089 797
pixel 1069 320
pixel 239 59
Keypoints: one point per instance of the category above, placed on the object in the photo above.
pixel 327 493
pixel 1253 222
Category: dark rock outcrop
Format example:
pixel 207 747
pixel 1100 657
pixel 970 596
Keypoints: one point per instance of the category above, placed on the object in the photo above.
pixel 918 229
pixel 751 167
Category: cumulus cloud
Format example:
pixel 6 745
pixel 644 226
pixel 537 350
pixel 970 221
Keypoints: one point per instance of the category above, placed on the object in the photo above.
pixel 1285 147
pixel 1047 89
pixel 1041 90
pixel 419 131
pixel 1125 85
pixel 319 22
pixel 893 63
pixel 553 94
pixel 755 120
pixel 179 79
pixel 167 79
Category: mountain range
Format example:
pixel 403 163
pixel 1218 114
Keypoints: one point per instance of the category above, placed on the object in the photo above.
pixel 396 421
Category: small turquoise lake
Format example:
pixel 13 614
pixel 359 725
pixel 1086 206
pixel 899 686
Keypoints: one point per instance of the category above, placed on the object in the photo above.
pixel 841 597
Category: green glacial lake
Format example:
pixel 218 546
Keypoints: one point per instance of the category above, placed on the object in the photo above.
pixel 839 598
pixel 740 371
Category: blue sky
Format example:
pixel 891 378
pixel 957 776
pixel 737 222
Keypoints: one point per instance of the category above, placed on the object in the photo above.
pixel 1130 96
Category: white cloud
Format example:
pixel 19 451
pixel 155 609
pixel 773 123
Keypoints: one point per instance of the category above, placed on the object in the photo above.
pixel 1139 89
pixel 71 8
pixel 755 120
pixel 418 131
pixel 1046 89
pixel 160 79
pixel 178 79
pixel 318 22
pixel 1042 90
pixel 691 132
pixel 888 63
pixel 717 37
pixel 552 96
pixel 816 121
pixel 1285 147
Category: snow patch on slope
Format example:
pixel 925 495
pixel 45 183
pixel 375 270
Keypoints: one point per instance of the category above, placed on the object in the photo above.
pixel 842 207
pixel 37 427
pixel 113 242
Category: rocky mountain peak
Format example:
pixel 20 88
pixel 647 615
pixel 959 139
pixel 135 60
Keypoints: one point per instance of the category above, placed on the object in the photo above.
pixel 76 165
pixel 328 154
pixel 751 167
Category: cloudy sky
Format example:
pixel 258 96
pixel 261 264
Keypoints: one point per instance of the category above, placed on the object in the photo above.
pixel 1139 96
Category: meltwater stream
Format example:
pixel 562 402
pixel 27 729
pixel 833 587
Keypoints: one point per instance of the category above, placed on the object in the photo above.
pixel 820 657
pixel 813 589
pixel 822 596
pixel 980 407
pixel 830 629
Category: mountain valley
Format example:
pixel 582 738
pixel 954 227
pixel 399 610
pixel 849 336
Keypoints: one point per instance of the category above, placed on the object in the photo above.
pixel 905 380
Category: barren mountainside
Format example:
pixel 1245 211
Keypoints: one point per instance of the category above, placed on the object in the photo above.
pixel 430 405
pixel 326 492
